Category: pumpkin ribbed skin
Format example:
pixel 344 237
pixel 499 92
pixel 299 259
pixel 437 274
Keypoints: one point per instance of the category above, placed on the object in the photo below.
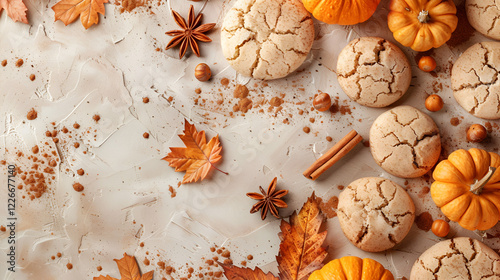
pixel 352 268
pixel 344 12
pixel 454 179
pixel 413 29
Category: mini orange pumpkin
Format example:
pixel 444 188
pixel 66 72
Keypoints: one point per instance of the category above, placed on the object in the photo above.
pixel 344 12
pixel 467 188
pixel 422 24
pixel 352 268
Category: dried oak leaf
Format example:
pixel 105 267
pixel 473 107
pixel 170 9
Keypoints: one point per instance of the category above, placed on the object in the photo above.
pixel 88 10
pixel 15 9
pixel 198 157
pixel 301 250
pixel 129 270
pixel 238 273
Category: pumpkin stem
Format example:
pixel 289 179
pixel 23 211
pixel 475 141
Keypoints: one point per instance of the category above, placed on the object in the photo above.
pixel 477 188
pixel 423 16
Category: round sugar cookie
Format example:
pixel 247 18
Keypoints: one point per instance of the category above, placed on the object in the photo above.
pixel 475 80
pixel 267 39
pixel 405 142
pixel 375 214
pixel 373 71
pixel 483 15
pixel 458 258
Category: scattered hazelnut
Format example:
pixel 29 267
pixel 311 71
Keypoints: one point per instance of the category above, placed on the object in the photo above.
pixel 434 103
pixel 476 133
pixel 322 102
pixel 202 72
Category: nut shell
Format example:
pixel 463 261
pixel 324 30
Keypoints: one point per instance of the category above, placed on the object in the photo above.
pixel 202 72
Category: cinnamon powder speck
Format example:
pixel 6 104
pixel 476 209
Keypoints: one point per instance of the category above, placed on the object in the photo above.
pixel 76 125
pixel 69 266
pixel 145 100
pixel 32 114
pixel 306 129
pixel 145 135
pixel 4 62
pixel 80 172
pixel 19 62
pixel 224 82
pixel 32 77
pixel 96 118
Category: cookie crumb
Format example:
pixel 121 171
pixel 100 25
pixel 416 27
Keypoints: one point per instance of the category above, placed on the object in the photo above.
pixel 32 114
pixel 241 91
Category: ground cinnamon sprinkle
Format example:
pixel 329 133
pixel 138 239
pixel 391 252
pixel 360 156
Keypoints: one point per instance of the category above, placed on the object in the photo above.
pixel 80 172
pixel 96 118
pixel 424 221
pixel 99 268
pixel 76 125
pixel 59 255
pixel 69 266
pixel 146 261
pixel 329 139
pixel 224 82
pixel 455 121
pixel 32 114
pixel 19 62
pixel 76 145
pixel 35 149
pixel 4 62
pixel 173 193
pixel 78 187
pixel 32 77
pixel 145 135
pixel 145 100
pixel 276 101
pixel 306 129
pixel 197 91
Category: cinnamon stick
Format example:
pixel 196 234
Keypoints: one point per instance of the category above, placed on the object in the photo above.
pixel 333 155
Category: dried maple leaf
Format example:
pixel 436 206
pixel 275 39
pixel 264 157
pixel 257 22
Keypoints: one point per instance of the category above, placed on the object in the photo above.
pixel 129 270
pixel 301 250
pixel 88 10
pixel 237 273
pixel 198 157
pixel 15 9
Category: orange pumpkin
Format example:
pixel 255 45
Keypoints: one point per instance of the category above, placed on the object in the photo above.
pixel 344 12
pixel 352 268
pixel 467 188
pixel 422 24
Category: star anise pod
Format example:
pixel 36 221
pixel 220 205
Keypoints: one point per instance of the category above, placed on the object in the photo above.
pixel 191 32
pixel 269 201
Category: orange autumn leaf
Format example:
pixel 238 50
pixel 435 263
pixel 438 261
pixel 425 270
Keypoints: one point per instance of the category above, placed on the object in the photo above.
pixel 129 270
pixel 235 273
pixel 15 9
pixel 301 250
pixel 198 157
pixel 88 10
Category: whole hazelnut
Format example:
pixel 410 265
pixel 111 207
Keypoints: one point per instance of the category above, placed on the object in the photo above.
pixel 322 102
pixel 476 133
pixel 202 72
pixel 434 103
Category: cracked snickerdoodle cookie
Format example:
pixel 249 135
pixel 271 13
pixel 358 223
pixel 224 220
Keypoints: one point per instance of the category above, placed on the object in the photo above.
pixel 373 72
pixel 405 142
pixel 375 214
pixel 475 80
pixel 483 15
pixel 458 258
pixel 267 39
